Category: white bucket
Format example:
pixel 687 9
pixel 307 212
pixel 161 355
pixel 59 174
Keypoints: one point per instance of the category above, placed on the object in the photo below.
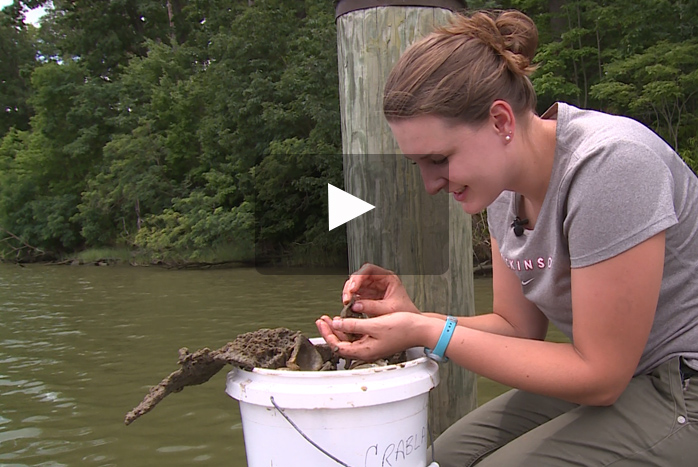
pixel 361 418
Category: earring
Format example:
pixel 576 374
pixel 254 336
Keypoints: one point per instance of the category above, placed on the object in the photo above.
pixel 507 138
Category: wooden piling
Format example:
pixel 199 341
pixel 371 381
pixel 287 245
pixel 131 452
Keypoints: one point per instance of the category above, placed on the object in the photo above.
pixel 371 35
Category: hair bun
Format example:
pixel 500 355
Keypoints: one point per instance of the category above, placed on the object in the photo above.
pixel 460 69
pixel 511 34
pixel 519 32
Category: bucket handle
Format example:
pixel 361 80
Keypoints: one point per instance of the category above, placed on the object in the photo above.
pixel 316 446
pixel 300 432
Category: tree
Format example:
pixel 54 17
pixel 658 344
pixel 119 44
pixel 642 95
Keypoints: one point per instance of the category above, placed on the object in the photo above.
pixel 181 126
pixel 152 149
pixel 660 87
pixel 17 60
pixel 268 133
pixel 104 35
pixel 45 169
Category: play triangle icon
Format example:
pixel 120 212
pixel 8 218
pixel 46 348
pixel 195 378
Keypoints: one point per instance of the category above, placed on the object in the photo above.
pixel 344 207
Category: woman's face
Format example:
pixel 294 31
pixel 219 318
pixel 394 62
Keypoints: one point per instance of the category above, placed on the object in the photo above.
pixel 467 161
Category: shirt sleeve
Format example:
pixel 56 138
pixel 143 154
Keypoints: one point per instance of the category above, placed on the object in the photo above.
pixel 619 196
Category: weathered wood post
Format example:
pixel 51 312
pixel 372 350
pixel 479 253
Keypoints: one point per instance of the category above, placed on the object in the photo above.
pixel 371 35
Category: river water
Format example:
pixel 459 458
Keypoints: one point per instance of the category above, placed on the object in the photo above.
pixel 80 346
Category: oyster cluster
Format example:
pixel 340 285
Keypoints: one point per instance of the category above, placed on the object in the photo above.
pixel 275 349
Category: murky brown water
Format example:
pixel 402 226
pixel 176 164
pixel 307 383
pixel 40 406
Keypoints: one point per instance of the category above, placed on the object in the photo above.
pixel 79 347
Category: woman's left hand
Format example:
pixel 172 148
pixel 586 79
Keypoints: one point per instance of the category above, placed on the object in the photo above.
pixel 381 336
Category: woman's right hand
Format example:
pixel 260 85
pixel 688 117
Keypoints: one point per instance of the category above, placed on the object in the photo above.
pixel 376 292
pixel 380 336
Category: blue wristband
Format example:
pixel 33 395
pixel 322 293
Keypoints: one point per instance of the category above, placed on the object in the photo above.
pixel 438 352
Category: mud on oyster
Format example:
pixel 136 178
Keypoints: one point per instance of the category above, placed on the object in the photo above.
pixel 274 349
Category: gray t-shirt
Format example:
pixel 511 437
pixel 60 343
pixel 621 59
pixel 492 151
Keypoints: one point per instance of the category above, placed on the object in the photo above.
pixel 614 184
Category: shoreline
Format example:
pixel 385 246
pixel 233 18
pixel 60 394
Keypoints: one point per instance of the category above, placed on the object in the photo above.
pixel 275 266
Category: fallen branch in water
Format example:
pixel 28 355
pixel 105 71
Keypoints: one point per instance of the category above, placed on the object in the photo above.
pixel 18 251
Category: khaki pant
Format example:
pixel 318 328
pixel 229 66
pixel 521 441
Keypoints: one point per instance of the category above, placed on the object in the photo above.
pixel 653 423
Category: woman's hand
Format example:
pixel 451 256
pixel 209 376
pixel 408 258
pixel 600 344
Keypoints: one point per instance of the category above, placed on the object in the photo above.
pixel 380 336
pixel 377 292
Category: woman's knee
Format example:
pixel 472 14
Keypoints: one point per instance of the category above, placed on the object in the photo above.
pixel 491 426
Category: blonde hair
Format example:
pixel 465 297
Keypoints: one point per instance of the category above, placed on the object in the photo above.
pixel 458 70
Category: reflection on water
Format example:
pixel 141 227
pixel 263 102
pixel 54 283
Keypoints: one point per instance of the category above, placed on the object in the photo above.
pixel 80 346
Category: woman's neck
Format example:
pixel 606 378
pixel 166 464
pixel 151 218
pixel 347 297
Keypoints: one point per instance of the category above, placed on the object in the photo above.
pixel 537 164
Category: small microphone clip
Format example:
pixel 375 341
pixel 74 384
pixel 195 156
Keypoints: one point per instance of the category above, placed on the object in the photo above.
pixel 518 226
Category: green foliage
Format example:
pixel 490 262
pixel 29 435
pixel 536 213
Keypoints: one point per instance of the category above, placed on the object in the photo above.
pixel 23 194
pixel 94 255
pixel 46 169
pixel 659 86
pixel 636 58
pixel 104 35
pixel 133 183
pixel 198 124
pixel 587 35
pixel 194 128
pixel 194 225
pixel 17 60
pixel 28 208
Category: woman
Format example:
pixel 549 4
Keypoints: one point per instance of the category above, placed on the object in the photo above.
pixel 594 225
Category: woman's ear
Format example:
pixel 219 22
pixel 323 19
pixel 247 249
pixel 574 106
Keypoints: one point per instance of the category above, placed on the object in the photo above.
pixel 503 119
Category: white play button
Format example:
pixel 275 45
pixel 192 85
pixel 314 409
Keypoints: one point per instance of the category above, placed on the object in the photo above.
pixel 344 207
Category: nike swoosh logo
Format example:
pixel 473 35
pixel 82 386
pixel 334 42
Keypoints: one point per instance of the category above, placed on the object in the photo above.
pixel 527 281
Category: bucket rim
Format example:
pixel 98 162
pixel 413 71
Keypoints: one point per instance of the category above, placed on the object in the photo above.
pixel 338 373
pixel 336 389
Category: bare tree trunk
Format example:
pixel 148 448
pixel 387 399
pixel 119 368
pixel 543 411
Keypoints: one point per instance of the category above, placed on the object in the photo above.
pixel 173 36
pixel 557 21
pixel 574 62
pixel 138 215
pixel 598 51
pixel 581 58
